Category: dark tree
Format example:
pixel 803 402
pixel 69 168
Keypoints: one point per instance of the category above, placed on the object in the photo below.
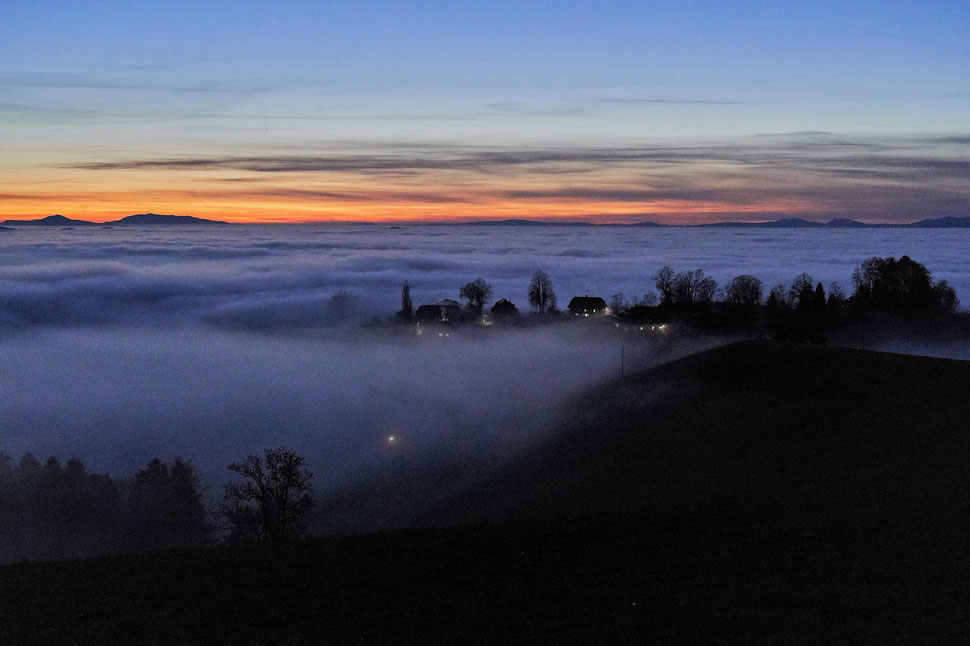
pixel 801 294
pixel 744 290
pixel 902 286
pixel 836 296
pixel 693 286
pixel 407 307
pixel 29 469
pixel 618 303
pixel 777 300
pixel 55 511
pixel 478 293
pixel 6 469
pixel 946 297
pixel 343 307
pixel 649 299
pixel 706 288
pixel 818 300
pixel 541 294
pixel 272 501
pixel 75 471
pixel 664 280
pixel 165 507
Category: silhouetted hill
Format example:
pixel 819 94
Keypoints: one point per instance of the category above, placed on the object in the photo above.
pixel 50 221
pixel 761 492
pixel 785 223
pixel 844 223
pixel 516 222
pixel 948 222
pixel 156 219
pixel 792 223
pixel 766 422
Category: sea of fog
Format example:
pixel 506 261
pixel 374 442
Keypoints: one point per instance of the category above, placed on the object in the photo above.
pixel 121 344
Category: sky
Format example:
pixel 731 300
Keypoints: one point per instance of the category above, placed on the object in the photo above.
pixel 607 112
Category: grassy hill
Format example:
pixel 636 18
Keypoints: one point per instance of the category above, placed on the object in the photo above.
pixel 760 492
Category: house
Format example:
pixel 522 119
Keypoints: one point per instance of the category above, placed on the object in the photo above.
pixel 504 307
pixel 588 306
pixel 643 314
pixel 447 311
pixel 646 319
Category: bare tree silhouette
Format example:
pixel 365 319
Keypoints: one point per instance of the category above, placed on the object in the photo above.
pixel 541 294
pixel 272 501
pixel 478 293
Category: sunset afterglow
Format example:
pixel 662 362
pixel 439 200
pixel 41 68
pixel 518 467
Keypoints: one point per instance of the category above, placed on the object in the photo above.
pixel 386 112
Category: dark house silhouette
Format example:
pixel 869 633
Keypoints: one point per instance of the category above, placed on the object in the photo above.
pixel 447 311
pixel 639 314
pixel 588 306
pixel 644 318
pixel 504 307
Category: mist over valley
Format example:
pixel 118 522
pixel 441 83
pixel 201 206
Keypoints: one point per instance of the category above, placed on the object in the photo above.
pixel 209 343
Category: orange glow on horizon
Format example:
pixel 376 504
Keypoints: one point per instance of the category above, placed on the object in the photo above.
pixel 105 208
pixel 441 196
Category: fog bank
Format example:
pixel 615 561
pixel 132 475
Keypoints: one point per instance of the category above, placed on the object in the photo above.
pixel 119 345
pixel 275 277
pixel 118 397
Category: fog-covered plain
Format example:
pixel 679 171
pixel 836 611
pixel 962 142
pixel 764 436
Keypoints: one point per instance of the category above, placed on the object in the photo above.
pixel 123 344
pixel 119 396
pixel 268 277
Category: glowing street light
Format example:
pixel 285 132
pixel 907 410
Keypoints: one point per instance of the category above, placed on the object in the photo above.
pixel 393 441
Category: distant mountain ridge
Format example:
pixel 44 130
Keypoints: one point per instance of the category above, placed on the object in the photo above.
pixel 844 223
pixel 784 223
pixel 57 220
pixel 137 219
pixel 154 219
pixel 948 222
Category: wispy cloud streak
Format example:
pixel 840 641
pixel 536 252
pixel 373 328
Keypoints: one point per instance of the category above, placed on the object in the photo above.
pixel 808 174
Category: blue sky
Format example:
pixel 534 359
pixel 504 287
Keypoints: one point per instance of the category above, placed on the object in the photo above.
pixel 104 82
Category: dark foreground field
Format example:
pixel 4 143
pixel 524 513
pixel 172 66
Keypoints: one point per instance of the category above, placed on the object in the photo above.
pixel 756 493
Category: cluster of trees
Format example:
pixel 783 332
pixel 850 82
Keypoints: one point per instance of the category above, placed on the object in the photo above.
pixel 888 285
pixel 54 510
pixel 692 288
pixel 50 510
pixel 904 286
pixel 685 288
pixel 899 287
pixel 478 294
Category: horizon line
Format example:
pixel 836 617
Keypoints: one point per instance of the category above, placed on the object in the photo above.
pixel 536 221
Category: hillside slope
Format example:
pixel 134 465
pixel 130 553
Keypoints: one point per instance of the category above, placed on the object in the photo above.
pixel 781 427
pixel 754 493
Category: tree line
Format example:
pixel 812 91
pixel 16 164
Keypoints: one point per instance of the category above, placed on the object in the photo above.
pixel 50 510
pixel 903 286
pixel 478 293
pixel 900 287
pixel 54 510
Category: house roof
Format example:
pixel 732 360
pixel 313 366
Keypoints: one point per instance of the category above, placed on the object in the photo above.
pixel 504 306
pixel 445 310
pixel 587 302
